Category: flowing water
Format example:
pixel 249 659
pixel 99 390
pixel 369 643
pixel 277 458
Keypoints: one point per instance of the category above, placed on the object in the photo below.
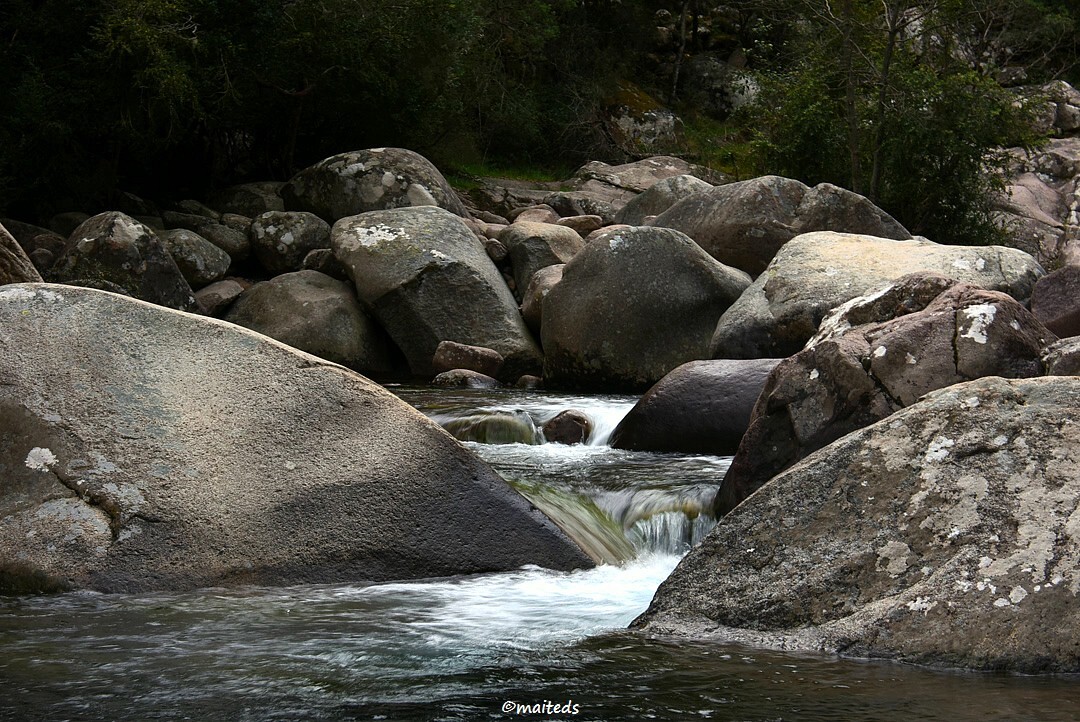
pixel 476 647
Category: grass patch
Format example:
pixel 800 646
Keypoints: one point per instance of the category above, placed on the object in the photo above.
pixel 725 146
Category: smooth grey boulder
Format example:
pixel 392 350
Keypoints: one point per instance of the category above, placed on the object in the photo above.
pixel 188 452
pixel 873 356
pixel 816 272
pixel 744 224
pixel 315 313
pixel 199 260
pixel 701 407
pixel 532 304
pixel 633 305
pixel 942 535
pixel 116 249
pixel 280 240
pixel 450 355
pixel 660 197
pixel 1055 300
pixel 369 180
pixel 426 278
pixel 230 239
pixel 15 265
pixel 533 246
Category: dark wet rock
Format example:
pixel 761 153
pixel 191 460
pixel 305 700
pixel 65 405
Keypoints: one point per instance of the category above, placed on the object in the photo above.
pixel 216 298
pixel 464 379
pixel 190 453
pixel 701 407
pixel 630 307
pixel 568 427
pixel 941 536
pixel 117 249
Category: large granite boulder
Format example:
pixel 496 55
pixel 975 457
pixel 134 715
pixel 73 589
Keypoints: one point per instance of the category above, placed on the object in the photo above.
pixel 816 272
pixel 876 355
pixel 318 314
pixel 281 240
pixel 744 224
pixel 116 249
pixel 369 180
pixel 426 278
pixel 660 197
pixel 701 407
pixel 943 535
pixel 532 303
pixel 145 449
pixel 533 246
pixel 15 265
pixel 633 305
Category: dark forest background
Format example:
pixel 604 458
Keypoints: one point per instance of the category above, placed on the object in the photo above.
pixel 902 101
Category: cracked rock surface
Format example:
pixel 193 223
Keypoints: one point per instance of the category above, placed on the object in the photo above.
pixel 947 534
pixel 876 355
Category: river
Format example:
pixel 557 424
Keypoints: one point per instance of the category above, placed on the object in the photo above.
pixel 531 644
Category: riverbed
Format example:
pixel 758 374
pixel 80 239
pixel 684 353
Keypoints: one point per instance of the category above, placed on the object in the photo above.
pixel 530 644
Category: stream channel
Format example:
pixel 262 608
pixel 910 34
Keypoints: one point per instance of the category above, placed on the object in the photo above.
pixel 471 648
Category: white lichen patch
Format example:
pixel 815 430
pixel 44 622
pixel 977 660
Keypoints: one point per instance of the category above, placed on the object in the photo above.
pixel 880 351
pixel 1002 602
pixel 921 604
pixel 980 317
pixel 617 242
pixel 26 294
pixel 893 558
pixel 938 450
pixel 40 459
pixel 439 255
pixel 1014 325
pixel 374 235
pixel 814 374
pixel 972 402
pixel 1017 595
pixel 1000 440
pixel 911 360
pixel 980 264
pixel 961 264
pixel 388 179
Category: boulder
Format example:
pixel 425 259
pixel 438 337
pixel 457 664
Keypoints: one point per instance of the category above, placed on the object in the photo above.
pixel 532 304
pixel 249 199
pixel 580 203
pixel 189 452
pixel 582 225
pixel 660 197
pixel 217 297
pixel 465 379
pixel 369 180
pixel 1055 301
pixel 117 249
pixel 15 265
pixel 633 305
pixel 744 224
pixel 229 238
pixel 1062 358
pixel 817 272
pixel 623 182
pixel 701 407
pixel 874 356
pixel 199 260
pixel 281 239
pixel 450 355
pixel 323 260
pixel 568 427
pixel 427 279
pixel 32 237
pixel 541 213
pixel 317 314
pixel 533 246
pixel 943 535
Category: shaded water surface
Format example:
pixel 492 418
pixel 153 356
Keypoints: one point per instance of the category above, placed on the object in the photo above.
pixel 470 648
